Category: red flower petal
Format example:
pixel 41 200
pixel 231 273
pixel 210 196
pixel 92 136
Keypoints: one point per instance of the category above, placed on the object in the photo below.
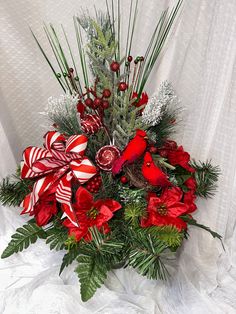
pixel 84 199
pixel 177 209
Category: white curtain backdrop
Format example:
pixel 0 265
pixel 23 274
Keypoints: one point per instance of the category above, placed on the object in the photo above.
pixel 200 62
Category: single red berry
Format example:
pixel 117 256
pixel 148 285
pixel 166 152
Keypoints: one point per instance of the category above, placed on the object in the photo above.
pixel 141 58
pixel 123 179
pixel 153 149
pixel 130 58
pixel 122 86
pixel 105 104
pixel 97 102
pixel 114 66
pixel 88 102
pixel 71 70
pixel 106 93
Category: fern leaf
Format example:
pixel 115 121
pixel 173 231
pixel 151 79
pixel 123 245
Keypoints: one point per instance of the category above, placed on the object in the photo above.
pixel 23 237
pixel 92 275
pixel 56 238
pixel 69 257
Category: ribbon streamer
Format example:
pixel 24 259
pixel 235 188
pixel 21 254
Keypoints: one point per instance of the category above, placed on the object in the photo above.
pixel 55 166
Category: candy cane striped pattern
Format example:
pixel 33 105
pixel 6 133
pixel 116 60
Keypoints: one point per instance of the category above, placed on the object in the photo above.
pixel 40 187
pixel 51 137
pixel 83 170
pixel 76 144
pixel 63 196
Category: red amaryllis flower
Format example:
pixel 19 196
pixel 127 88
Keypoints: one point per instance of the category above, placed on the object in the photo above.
pixel 90 213
pixel 143 100
pixel 191 183
pixel 166 209
pixel 189 199
pixel 44 209
pixel 181 158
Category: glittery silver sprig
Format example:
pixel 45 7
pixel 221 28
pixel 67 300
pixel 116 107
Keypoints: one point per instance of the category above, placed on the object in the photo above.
pixel 158 103
pixel 62 106
pixel 63 113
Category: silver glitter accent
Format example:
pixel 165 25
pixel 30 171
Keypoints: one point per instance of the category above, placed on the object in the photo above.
pixel 158 103
pixel 61 106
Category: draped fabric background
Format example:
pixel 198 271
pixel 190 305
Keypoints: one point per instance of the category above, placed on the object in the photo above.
pixel 200 62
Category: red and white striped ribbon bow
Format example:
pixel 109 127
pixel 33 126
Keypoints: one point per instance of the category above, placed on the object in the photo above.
pixel 55 166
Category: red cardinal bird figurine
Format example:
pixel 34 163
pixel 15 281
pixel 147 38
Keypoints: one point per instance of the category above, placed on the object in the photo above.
pixel 135 149
pixel 152 173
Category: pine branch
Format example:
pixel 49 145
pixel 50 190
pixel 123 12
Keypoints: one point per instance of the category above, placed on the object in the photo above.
pixel 63 113
pixel 206 176
pixel 145 255
pixel 167 234
pixel 13 190
pixel 23 237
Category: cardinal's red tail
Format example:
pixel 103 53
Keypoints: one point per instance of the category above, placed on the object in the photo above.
pixel 118 164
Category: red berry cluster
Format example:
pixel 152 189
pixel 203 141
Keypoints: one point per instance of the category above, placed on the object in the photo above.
pixel 94 184
pixel 94 101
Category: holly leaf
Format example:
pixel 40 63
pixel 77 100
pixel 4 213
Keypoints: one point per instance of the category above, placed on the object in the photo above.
pixel 23 237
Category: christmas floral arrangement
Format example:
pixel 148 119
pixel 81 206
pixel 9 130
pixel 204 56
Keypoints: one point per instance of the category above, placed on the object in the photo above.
pixel 109 186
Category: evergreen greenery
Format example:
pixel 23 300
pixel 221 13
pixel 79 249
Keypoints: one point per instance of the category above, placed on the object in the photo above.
pixel 206 176
pixel 13 190
pixel 23 237
pixel 145 255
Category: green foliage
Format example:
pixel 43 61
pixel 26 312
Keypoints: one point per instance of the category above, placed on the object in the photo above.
pixel 13 190
pixel 63 114
pixel 166 127
pixel 126 118
pixel 191 221
pixel 109 186
pixel 92 274
pixel 95 260
pixel 57 237
pixel 206 176
pixel 145 255
pixel 133 212
pixel 23 237
pixel 69 257
pixel 167 234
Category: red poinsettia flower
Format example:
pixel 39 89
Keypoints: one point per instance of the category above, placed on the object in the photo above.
pixel 181 158
pixel 191 183
pixel 143 100
pixel 189 199
pixel 90 213
pixel 45 208
pixel 166 209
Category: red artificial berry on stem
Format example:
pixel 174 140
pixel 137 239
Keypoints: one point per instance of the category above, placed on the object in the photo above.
pixel 106 93
pixel 130 58
pixel 71 70
pixel 122 86
pixel 141 58
pixel 123 179
pixel 153 149
pixel 97 102
pixel 114 66
pixel 88 102
pixel 105 104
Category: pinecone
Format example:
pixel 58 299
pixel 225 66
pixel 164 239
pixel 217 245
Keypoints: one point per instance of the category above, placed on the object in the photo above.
pixel 91 123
